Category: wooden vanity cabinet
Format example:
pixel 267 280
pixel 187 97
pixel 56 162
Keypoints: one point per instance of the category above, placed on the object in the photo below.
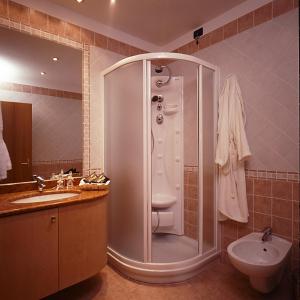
pixel 82 241
pixel 48 250
pixel 29 255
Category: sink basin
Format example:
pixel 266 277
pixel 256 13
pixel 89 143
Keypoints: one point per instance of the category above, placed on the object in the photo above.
pixel 45 198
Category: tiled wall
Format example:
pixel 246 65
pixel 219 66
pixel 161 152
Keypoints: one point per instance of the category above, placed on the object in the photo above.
pixel 25 19
pixel 191 202
pixel 56 125
pixel 265 60
pixel 49 24
pixel 271 202
pixel 25 88
pixel 265 13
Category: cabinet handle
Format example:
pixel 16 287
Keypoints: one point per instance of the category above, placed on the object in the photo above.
pixel 53 219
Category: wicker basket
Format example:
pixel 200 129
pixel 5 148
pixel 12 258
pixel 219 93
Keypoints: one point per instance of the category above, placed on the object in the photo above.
pixel 93 186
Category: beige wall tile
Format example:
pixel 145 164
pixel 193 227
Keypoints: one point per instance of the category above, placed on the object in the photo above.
pixel 72 32
pixel 38 20
pixel 245 22
pixel 282 226
pixel 3 8
pixel 262 205
pixel 56 26
pixel 87 36
pixel 262 187
pixel 282 189
pixel 100 41
pixel 296 191
pixel 230 29
pixel 282 6
pixel 216 35
pixel 282 208
pixel 261 221
pixel 263 14
pixel 18 13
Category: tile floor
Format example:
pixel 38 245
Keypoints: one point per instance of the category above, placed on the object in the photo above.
pixel 216 281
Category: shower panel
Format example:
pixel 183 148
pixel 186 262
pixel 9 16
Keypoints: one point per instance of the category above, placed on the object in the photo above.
pixel 152 125
pixel 167 156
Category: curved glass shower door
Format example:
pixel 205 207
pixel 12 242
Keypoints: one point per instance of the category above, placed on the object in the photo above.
pixel 123 107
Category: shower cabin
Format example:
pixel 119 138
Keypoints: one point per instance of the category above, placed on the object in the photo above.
pixel 159 145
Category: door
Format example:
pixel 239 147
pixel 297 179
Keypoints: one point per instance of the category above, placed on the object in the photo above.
pixel 17 134
pixel 29 255
pixel 82 241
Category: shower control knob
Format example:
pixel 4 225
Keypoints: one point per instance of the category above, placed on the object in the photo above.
pixel 159 119
pixel 160 98
pixel 159 106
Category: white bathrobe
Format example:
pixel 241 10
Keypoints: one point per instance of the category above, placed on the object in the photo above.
pixel 5 163
pixel 232 150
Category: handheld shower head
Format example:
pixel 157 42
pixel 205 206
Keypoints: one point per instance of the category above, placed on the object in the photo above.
pixel 159 82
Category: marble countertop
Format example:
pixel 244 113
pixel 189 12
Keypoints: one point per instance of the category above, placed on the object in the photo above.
pixel 8 208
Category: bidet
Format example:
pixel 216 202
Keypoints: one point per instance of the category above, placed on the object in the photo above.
pixel 262 261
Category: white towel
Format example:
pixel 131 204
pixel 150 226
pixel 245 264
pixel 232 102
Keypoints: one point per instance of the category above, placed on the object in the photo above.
pixel 232 150
pixel 5 162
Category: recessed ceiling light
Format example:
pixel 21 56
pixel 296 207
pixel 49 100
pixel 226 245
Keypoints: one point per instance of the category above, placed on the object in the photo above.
pixel 79 1
pixel 43 73
pixel 112 2
pixel 55 58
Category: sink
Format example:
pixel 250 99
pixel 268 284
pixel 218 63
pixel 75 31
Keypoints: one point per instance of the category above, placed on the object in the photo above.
pixel 45 198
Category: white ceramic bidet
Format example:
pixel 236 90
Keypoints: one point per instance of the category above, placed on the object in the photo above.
pixel 263 262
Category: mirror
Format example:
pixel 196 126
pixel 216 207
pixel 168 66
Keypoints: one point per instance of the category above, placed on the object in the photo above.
pixel 41 107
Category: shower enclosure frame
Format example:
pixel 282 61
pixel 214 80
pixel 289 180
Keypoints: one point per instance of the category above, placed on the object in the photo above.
pixel 175 271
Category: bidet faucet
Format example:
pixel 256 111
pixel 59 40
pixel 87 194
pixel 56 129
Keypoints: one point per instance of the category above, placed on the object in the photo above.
pixel 40 182
pixel 266 233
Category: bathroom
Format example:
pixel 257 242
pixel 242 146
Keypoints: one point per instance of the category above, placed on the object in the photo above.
pixel 178 247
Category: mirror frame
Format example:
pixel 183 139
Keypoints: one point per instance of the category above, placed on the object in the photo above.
pixel 85 49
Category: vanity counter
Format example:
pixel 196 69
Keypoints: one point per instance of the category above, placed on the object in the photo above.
pixel 8 208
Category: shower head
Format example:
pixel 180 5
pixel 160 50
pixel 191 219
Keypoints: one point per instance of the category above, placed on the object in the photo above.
pixel 159 69
pixel 159 83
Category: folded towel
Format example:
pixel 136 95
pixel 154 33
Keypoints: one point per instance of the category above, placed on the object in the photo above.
pixel 5 162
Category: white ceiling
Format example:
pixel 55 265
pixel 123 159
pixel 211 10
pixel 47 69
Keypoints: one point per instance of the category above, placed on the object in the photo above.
pixel 156 21
pixel 29 55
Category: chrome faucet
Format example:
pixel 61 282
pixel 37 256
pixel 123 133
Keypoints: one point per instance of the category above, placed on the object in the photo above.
pixel 40 182
pixel 266 233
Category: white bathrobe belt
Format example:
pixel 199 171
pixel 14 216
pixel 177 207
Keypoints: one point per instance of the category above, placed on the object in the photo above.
pixel 229 166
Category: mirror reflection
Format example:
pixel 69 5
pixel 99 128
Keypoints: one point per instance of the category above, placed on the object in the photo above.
pixel 40 101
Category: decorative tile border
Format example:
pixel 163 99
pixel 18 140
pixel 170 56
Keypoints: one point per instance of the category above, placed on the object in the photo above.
pixel 47 168
pixel 33 20
pixel 24 88
pixel 263 14
pixel 279 175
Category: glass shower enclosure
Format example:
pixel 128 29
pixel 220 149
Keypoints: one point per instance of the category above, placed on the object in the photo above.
pixel 159 140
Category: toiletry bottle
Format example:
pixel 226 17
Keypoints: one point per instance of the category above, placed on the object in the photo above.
pixel 60 181
pixel 70 181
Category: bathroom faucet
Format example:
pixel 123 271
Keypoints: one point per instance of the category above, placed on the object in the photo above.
pixel 40 182
pixel 266 233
